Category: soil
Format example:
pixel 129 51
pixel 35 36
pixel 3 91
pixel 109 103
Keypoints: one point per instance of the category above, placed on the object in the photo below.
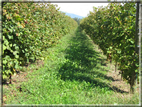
pixel 117 84
pixel 21 76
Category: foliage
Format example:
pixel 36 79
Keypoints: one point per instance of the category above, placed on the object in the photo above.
pixel 28 30
pixel 113 29
pixel 77 20
pixel 73 81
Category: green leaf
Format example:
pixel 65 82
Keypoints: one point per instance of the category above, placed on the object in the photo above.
pixel 17 56
pixel 4 47
pixel 108 51
pixel 118 51
pixel 110 47
pixel 14 44
pixel 10 36
pixel 10 45
pixel 16 47
pixel 5 61
pixel 15 52
pixel 137 70
pixel 27 54
pixel 16 66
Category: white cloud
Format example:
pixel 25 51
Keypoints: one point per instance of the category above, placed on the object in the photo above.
pixel 81 9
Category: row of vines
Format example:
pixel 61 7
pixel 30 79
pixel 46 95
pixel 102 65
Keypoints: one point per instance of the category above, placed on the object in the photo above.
pixel 28 30
pixel 112 28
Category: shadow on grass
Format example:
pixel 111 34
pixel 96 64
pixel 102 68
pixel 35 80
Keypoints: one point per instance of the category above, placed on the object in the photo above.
pixel 81 63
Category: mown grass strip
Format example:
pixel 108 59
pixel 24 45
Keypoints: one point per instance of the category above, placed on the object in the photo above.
pixel 73 73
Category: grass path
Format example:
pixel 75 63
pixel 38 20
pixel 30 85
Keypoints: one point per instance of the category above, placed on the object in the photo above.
pixel 74 72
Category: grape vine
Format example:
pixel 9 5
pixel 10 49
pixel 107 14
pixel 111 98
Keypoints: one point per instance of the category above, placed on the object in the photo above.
pixel 113 29
pixel 29 29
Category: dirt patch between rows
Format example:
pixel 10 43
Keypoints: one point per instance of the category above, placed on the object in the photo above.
pixel 20 77
pixel 117 83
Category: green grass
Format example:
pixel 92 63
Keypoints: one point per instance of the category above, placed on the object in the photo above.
pixel 73 73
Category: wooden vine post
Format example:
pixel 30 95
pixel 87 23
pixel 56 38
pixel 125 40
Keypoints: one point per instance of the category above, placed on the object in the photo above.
pixel 133 75
pixel 140 37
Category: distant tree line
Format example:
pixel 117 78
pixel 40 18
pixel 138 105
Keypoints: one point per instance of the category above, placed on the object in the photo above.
pixel 77 20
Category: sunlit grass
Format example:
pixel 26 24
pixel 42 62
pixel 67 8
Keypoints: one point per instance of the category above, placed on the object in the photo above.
pixel 73 73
